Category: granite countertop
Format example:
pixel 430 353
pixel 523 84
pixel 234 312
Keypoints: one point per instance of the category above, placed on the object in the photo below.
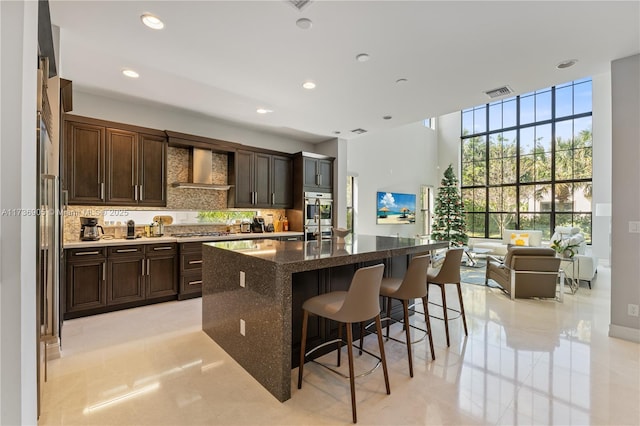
pixel 291 252
pixel 170 239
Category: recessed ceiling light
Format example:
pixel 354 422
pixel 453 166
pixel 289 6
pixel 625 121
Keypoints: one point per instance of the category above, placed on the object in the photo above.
pixel 387 117
pixel 309 85
pixel 362 57
pixel 566 64
pixel 304 23
pixel 130 73
pixel 401 80
pixel 152 21
pixel 336 132
pixel 263 111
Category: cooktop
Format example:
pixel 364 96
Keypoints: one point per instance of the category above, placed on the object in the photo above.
pixel 200 234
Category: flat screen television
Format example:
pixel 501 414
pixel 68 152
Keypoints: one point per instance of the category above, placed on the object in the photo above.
pixel 394 208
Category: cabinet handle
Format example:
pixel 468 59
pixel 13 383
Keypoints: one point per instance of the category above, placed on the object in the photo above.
pixel 135 192
pixel 126 250
pixel 195 262
pixel 143 267
pixel 254 196
pixel 195 282
pixel 104 271
pixel 162 248
pixel 273 198
pixel 140 193
pixel 85 253
pixel 148 267
pixel 102 191
pixel 320 180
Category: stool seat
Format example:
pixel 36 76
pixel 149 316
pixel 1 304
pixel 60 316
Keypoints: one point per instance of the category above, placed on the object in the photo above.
pixel 326 305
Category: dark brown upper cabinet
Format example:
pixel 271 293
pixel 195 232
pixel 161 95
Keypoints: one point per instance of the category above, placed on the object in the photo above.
pixel 260 180
pixel 112 164
pixel 316 172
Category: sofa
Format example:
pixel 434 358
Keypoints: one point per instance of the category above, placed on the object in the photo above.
pixel 525 238
pixel 526 272
pixel 585 264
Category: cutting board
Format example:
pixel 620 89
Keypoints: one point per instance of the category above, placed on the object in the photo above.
pixel 166 220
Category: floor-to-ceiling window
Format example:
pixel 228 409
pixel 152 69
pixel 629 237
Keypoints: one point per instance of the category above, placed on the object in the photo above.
pixel 527 162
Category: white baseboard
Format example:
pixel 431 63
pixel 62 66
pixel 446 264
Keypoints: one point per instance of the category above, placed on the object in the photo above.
pixel 625 333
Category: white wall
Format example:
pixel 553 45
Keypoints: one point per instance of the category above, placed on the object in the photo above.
pixel 601 164
pixel 448 127
pixel 163 117
pixel 18 82
pixel 398 160
pixel 625 253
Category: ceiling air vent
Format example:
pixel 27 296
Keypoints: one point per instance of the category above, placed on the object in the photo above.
pixel 358 131
pixel 500 91
pixel 298 4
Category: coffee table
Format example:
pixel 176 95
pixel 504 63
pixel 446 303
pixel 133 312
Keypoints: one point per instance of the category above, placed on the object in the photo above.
pixel 471 254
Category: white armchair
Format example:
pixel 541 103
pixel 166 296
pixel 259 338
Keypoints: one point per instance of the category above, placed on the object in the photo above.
pixel 585 266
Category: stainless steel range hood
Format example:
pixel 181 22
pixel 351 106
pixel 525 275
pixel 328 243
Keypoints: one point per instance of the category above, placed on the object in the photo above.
pixel 201 161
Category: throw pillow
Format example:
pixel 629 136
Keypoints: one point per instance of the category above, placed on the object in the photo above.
pixel 520 239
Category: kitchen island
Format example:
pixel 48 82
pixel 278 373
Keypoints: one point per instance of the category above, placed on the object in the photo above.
pixel 253 292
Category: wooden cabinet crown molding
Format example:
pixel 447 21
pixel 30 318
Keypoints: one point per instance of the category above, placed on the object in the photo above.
pixel 113 124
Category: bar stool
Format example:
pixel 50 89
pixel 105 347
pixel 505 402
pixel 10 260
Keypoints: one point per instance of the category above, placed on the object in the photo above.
pixel 411 286
pixel 361 303
pixel 449 273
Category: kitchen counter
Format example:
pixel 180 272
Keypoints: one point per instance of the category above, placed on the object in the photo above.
pixel 104 242
pixel 257 319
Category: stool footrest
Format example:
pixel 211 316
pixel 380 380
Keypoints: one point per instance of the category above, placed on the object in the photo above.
pixel 426 333
pixel 334 341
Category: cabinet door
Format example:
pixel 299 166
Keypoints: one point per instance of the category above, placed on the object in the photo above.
pixel 325 175
pixel 126 279
pixel 122 167
pixel 244 178
pixel 86 285
pixel 162 276
pixel 310 172
pixel 282 182
pixel 152 175
pixel 84 163
pixel 262 182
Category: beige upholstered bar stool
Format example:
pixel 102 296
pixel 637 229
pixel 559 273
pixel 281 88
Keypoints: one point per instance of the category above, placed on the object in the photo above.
pixel 449 273
pixel 405 289
pixel 361 303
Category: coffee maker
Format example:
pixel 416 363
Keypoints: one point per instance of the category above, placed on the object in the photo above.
pixel 89 230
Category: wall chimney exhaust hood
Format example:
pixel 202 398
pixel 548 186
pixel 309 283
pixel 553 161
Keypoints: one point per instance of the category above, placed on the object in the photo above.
pixel 200 168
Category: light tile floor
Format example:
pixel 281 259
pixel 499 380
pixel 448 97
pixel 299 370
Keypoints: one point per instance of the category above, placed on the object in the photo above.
pixel 524 362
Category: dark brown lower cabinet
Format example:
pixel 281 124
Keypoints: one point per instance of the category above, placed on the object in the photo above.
pixel 86 280
pixel 162 271
pixel 126 279
pixel 190 270
pixel 107 279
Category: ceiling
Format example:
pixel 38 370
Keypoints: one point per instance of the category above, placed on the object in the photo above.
pixel 225 59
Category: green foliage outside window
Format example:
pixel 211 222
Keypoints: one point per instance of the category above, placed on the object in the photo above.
pixel 535 173
pixel 222 217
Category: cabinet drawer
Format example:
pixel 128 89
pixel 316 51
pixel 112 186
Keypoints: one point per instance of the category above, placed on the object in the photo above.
pixel 195 246
pixel 126 250
pixel 160 249
pixel 86 254
pixel 190 261
pixel 191 283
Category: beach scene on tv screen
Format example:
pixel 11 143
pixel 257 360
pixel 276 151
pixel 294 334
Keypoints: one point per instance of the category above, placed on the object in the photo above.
pixel 395 208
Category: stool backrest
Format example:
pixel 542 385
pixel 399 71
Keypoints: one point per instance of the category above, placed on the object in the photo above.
pixel 362 301
pixel 412 286
pixel 450 270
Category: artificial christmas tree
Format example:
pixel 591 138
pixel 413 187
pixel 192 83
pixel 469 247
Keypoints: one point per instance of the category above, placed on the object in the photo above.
pixel 448 221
